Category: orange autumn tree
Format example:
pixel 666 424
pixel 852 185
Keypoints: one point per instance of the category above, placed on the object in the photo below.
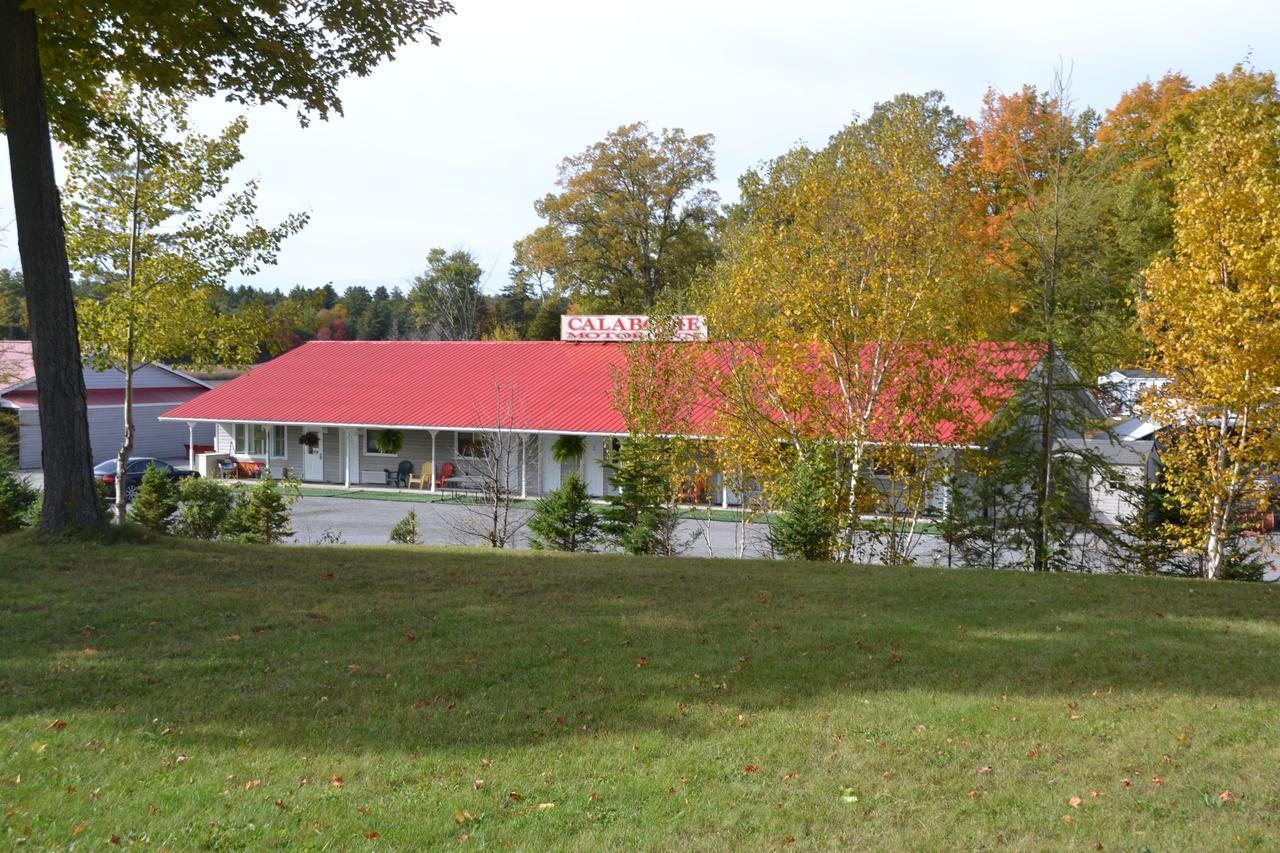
pixel 1036 179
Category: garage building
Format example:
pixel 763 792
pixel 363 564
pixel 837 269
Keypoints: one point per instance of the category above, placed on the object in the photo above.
pixel 156 389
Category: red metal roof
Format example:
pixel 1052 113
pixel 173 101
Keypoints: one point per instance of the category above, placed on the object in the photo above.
pixel 26 397
pixel 16 365
pixel 549 386
pixel 544 386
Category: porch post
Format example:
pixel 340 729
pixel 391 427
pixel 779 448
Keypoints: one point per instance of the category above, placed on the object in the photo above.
pixel 344 439
pixel 433 461
pixel 524 453
pixel 191 446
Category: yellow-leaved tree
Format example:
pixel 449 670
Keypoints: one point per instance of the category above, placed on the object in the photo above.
pixel 1211 315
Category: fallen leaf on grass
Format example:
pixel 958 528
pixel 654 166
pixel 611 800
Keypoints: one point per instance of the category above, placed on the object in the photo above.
pixel 478 784
pixel 751 768
pixel 641 662
pixel 985 770
pixel 546 805
pixel 371 835
pixel 1075 802
pixel 57 725
pixel 251 784
pixel 336 781
pixel 327 576
pixel 235 638
pixel 1157 780
pixel 80 827
pixel 90 651
pixel 1227 797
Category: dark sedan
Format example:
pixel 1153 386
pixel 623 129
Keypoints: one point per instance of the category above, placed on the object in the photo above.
pixel 106 472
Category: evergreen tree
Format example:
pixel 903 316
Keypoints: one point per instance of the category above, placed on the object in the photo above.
pixel 641 518
pixel 564 519
pixel 17 495
pixel 262 516
pixel 156 501
pixel 807 524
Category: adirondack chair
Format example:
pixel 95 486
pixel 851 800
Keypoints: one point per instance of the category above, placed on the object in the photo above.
pixel 420 479
pixel 400 476
pixel 446 473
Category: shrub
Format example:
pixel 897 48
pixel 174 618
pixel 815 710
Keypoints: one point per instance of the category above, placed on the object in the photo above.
pixel 807 523
pixel 261 515
pixel 155 502
pixel 17 497
pixel 203 507
pixel 564 519
pixel 407 530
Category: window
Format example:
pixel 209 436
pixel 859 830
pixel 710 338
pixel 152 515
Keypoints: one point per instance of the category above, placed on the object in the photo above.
pixel 278 448
pixel 371 443
pixel 251 439
pixel 472 445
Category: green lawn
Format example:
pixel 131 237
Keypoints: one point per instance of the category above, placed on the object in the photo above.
pixel 187 695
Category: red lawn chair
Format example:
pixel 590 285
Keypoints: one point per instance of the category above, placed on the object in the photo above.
pixel 446 473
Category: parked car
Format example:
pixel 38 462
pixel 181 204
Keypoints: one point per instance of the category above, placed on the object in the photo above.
pixel 106 472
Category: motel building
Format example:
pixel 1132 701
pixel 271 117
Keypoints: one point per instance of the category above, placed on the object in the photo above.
pixel 315 413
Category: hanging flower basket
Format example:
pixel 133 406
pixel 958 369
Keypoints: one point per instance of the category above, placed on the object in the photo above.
pixel 388 441
pixel 309 440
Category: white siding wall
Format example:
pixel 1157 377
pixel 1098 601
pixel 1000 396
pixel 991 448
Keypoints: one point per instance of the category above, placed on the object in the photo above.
pixel 152 436
pixel 28 439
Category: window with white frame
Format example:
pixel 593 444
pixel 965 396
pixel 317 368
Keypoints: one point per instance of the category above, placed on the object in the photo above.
pixel 279 450
pixel 251 439
pixel 472 445
pixel 371 443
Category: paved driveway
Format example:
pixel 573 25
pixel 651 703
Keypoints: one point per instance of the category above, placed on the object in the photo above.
pixel 369 522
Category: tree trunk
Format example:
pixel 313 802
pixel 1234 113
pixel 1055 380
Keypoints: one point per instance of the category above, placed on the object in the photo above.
pixel 70 498
pixel 126 448
pixel 1044 478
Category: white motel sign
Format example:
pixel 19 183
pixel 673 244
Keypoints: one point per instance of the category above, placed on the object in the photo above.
pixel 626 327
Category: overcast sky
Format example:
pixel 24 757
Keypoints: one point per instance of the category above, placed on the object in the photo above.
pixel 449 146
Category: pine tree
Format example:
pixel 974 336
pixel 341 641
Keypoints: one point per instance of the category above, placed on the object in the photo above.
pixel 262 516
pixel 156 501
pixel 564 520
pixel 641 518
pixel 807 524
pixel 17 495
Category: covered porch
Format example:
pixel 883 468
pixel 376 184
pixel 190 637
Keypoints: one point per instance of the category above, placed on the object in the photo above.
pixel 438 460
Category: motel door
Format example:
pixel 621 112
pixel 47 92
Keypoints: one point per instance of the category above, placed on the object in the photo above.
pixel 313 460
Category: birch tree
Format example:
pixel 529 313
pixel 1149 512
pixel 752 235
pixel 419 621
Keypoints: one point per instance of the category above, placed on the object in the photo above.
pixel 1211 314
pixel 153 232
pixel 840 285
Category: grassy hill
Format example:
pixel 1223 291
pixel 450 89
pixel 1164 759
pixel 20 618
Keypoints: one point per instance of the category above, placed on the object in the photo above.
pixel 191 695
